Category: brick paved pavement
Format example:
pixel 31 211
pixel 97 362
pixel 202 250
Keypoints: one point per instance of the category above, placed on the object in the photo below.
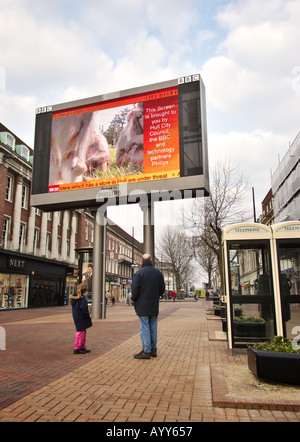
pixel 41 380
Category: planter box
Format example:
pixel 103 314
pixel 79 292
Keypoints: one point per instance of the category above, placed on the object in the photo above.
pixel 216 300
pixel 224 325
pixel 275 366
pixel 249 329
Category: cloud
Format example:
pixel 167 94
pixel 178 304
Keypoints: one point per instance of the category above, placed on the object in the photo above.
pixel 250 82
pixel 173 19
pixel 250 12
pixel 18 114
pixel 53 56
pixel 268 47
pixel 256 154
pixel 64 50
pixel 43 56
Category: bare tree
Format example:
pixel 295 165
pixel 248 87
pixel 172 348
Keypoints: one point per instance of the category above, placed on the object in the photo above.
pixel 205 257
pixel 175 246
pixel 209 215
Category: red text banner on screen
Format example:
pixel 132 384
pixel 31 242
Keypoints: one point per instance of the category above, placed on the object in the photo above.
pixel 161 138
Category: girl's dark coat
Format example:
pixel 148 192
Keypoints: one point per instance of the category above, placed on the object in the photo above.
pixel 80 313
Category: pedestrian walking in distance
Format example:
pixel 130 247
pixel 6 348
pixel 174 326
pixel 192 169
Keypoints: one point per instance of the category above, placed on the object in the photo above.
pixel 82 319
pixel 147 286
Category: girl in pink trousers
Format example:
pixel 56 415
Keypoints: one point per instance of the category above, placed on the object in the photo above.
pixel 82 319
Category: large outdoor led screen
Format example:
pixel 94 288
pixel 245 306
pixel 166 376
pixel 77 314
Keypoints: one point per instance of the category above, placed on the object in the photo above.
pixel 154 134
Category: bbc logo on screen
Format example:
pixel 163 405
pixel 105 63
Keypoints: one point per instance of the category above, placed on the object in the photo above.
pixel 189 79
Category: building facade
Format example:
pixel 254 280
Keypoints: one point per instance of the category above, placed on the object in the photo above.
pixel 286 185
pixel 38 258
pixel 267 216
pixel 123 257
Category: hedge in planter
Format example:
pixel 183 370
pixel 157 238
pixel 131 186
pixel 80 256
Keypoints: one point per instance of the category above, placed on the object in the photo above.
pixel 275 361
pixel 250 327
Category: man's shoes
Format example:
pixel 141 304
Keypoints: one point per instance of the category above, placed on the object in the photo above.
pixel 153 353
pixel 81 351
pixel 142 355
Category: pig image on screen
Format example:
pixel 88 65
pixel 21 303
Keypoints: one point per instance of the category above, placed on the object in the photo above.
pixel 77 145
pixel 130 148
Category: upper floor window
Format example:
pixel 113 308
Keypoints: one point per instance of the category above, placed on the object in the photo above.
pixel 8 139
pixel 22 236
pixel 5 231
pixel 35 239
pixel 23 151
pixel 24 197
pixel 9 185
pixel 48 243
pixel 59 245
pixel 68 220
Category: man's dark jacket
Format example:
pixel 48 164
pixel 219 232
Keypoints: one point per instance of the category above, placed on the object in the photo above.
pixel 147 286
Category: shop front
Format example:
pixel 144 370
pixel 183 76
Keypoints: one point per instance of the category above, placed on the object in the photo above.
pixel 71 283
pixel 27 281
pixel 126 289
pixel 113 286
pixel 13 290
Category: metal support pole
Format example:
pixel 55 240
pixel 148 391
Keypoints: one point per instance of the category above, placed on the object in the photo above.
pixel 148 222
pixel 253 201
pixel 98 294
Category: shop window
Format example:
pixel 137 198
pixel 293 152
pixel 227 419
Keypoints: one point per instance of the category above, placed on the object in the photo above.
pixel 13 291
pixel 46 292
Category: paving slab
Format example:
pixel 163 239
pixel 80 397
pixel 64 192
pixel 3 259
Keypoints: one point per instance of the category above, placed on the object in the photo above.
pixel 42 381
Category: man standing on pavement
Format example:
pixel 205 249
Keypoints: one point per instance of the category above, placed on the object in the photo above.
pixel 147 286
